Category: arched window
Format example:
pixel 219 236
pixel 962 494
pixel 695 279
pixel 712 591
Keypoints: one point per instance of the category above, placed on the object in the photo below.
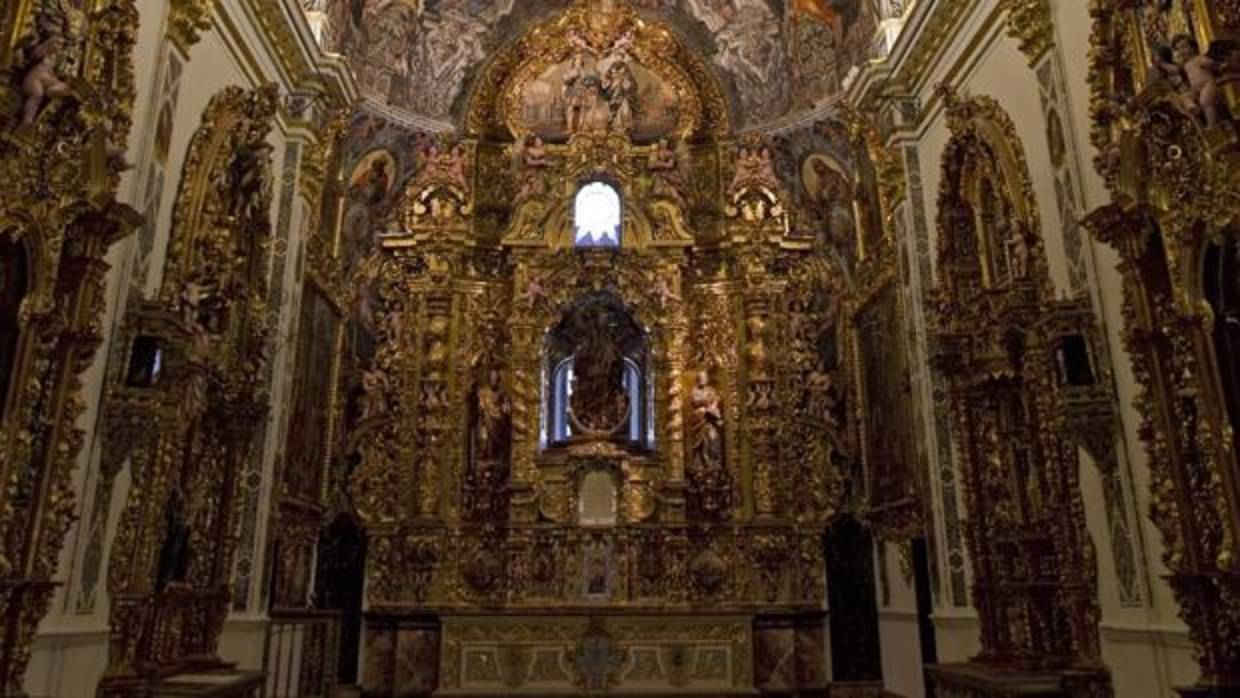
pixel 561 391
pixel 597 215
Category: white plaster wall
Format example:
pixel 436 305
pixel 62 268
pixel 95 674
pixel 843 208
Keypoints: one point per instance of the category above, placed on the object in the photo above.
pixel 242 642
pixel 897 627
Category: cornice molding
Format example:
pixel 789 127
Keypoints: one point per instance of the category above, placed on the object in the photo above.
pixel 1029 23
pixel 921 55
pixel 927 38
pixel 928 28
pixel 298 53
pixel 287 42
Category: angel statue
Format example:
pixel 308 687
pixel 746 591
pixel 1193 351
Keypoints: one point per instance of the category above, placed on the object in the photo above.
pixel 40 80
pixel 1202 97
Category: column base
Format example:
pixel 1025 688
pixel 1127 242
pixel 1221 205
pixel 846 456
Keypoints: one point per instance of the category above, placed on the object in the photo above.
pixel 401 655
pixel 978 680
pixel 1200 691
pixel 790 655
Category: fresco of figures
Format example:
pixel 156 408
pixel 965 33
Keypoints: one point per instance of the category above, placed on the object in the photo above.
pixel 607 93
pixel 774 57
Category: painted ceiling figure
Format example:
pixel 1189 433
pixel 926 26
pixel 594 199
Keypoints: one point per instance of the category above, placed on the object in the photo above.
pixel 840 15
pixel 748 46
pixel 421 56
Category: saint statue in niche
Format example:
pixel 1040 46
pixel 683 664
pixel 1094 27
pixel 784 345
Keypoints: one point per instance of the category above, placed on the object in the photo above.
pixel 596 570
pixel 246 179
pixel 599 402
pixel 492 420
pixel 598 577
pixel 710 479
pixel 706 426
pixel 174 554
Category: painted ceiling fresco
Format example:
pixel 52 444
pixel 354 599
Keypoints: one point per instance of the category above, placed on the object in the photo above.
pixel 774 58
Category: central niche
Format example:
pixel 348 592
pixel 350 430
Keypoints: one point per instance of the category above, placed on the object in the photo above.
pixel 597 384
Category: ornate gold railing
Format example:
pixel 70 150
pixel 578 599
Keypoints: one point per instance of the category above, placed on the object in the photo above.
pixel 300 653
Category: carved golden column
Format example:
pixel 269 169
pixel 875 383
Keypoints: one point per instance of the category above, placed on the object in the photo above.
pixel 386 436
pixel 13 24
pixel 435 428
pixel 669 406
pixel 526 336
pixel 760 408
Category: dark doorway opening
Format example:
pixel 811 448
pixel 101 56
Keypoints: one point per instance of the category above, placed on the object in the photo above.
pixel 925 610
pixel 339 585
pixel 852 599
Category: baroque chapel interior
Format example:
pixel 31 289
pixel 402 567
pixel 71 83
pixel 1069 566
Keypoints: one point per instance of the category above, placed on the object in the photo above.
pixel 492 348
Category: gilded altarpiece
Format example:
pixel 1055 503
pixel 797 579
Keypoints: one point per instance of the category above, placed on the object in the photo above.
pixel 626 454
pixel 65 113
pixel 1164 103
pixel 182 411
pixel 1012 359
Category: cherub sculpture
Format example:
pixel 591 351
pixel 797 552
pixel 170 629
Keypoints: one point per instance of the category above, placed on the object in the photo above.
pixel 444 163
pixel 662 157
pixel 40 82
pixel 534 155
pixel 754 165
pixel 1202 97
pixel 374 393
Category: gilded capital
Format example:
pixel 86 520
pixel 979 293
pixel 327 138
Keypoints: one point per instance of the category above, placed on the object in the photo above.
pixel 1029 22
pixel 187 19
